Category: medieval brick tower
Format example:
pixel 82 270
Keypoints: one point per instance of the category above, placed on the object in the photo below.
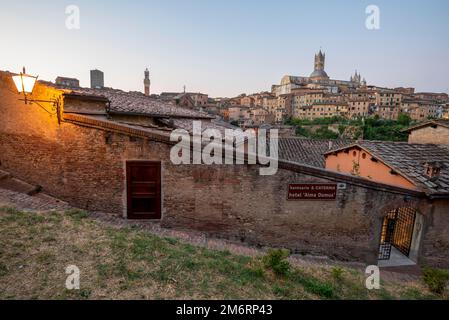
pixel 147 82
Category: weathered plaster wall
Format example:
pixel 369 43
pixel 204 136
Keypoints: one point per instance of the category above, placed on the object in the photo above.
pixel 438 135
pixel 359 162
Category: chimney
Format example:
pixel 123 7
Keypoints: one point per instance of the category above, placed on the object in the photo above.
pixel 432 170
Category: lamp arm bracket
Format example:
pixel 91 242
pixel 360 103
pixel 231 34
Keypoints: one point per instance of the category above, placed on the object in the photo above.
pixel 55 106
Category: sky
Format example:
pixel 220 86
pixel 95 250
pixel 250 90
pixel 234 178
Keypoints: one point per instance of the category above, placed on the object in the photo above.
pixel 227 47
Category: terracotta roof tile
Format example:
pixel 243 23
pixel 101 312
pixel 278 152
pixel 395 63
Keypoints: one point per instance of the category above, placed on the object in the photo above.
pixel 138 103
pixel 308 151
pixel 187 124
pixel 409 160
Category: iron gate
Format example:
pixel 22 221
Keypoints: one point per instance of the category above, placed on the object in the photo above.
pixel 397 231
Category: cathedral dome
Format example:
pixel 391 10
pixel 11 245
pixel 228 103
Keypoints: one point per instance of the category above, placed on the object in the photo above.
pixel 319 74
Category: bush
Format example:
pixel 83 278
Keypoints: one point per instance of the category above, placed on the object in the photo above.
pixel 435 279
pixel 276 260
pixel 337 273
pixel 404 120
pixel 85 293
pixel 324 133
pixel 301 131
pixel 342 128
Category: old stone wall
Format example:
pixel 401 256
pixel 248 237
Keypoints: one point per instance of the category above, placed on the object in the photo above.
pixel 236 202
pixel 86 167
pixel 435 244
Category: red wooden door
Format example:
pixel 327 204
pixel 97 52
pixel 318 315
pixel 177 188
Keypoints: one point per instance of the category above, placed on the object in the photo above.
pixel 143 179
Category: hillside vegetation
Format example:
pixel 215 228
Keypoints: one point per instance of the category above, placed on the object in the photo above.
pixel 372 128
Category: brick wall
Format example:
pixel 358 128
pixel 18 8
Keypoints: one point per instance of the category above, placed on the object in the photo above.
pixel 238 203
pixel 86 167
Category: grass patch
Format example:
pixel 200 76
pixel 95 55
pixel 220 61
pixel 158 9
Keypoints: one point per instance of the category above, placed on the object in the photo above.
pixel 129 263
pixel 45 258
pixel 321 288
pixel 77 214
pixel 10 211
pixel 435 279
pixel 3 270
pixel 417 294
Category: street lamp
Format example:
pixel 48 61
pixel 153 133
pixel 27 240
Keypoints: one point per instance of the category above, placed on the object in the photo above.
pixel 25 84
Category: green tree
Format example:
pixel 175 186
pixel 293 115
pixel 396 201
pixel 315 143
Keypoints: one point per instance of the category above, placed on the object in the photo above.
pixel 404 119
pixel 324 133
pixel 301 131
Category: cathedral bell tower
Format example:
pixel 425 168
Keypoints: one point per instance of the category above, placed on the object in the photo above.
pixel 147 82
pixel 318 73
pixel 319 61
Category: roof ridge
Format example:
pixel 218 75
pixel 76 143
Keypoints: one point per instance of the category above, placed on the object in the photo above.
pixel 407 160
pixel 384 141
pixel 135 102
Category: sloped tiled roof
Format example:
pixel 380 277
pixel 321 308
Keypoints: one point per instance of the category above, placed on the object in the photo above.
pixel 439 122
pixel 138 103
pixel 187 124
pixel 308 151
pixel 409 160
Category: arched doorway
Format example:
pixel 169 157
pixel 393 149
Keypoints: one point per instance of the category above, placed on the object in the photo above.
pixel 399 236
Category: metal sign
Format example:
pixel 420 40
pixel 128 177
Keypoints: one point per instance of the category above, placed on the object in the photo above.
pixel 312 191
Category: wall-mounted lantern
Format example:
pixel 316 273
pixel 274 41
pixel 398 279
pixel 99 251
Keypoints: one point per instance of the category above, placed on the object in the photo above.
pixel 25 85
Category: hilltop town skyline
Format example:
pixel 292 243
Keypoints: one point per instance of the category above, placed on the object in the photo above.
pixel 86 82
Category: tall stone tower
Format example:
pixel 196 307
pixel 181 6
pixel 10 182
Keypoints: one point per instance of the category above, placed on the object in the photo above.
pixel 96 79
pixel 318 71
pixel 319 61
pixel 147 82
